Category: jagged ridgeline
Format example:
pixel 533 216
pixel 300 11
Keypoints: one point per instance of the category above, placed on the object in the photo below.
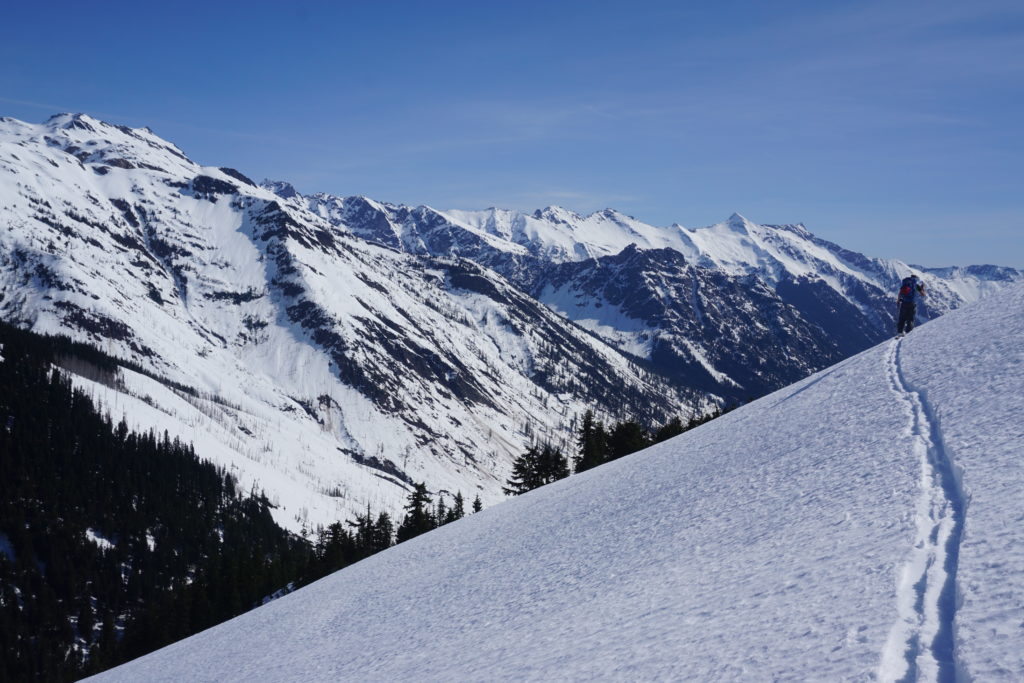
pixel 335 350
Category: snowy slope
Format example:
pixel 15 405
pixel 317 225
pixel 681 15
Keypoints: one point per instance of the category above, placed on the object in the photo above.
pixel 969 370
pixel 330 371
pixel 863 523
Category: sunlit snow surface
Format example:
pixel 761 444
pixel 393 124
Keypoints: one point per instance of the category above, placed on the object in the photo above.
pixel 772 543
pixel 107 235
pixel 970 369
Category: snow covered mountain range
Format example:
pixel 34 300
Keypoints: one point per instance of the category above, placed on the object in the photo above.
pixel 701 304
pixel 333 350
pixel 759 546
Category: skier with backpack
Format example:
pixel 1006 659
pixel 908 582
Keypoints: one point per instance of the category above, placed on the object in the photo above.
pixel 910 289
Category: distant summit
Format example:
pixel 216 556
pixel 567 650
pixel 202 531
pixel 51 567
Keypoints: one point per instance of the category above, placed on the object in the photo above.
pixel 281 188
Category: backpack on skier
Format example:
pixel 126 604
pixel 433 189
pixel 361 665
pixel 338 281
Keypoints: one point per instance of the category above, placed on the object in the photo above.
pixel 907 302
pixel 909 289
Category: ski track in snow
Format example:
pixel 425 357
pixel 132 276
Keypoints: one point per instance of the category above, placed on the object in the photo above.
pixel 775 543
pixel 922 643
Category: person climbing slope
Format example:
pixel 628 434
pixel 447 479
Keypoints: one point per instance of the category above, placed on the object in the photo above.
pixel 910 289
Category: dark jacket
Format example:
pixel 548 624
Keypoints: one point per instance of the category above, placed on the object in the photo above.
pixel 909 289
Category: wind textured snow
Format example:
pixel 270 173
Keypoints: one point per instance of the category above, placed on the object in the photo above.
pixel 863 523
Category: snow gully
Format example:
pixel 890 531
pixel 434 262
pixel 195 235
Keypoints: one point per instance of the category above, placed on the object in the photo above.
pixel 922 643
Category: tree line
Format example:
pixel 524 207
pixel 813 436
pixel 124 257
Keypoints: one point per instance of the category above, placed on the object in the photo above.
pixel 596 444
pixel 339 545
pixel 114 543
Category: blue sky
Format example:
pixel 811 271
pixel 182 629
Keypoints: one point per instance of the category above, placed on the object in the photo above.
pixel 893 128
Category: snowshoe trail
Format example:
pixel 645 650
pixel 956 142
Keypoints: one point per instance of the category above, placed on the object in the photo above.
pixel 922 643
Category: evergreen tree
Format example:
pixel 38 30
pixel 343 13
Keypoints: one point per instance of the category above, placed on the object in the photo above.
pixel 552 465
pixel 536 467
pixel 627 437
pixel 524 473
pixel 458 510
pixel 418 515
pixel 441 512
pixel 478 504
pixel 591 443
pixel 365 534
pixel 673 427
pixel 383 533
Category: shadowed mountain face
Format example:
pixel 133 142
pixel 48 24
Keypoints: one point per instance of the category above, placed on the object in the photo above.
pixel 736 308
pixel 733 336
pixel 346 347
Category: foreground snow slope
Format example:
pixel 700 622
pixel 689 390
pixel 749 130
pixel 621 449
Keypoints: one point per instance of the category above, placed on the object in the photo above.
pixel 813 534
pixel 969 368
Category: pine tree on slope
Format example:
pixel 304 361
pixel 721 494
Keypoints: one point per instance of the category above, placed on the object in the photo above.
pixel 536 467
pixel 419 517
pixel 627 437
pixel 591 442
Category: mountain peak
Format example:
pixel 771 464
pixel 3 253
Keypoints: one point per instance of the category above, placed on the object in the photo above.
pixel 614 214
pixel 739 223
pixel 69 120
pixel 281 188
pixel 557 214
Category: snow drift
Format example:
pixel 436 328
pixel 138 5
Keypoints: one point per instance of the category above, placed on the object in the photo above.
pixel 862 523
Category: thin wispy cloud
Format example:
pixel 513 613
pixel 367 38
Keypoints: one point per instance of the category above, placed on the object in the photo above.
pixel 54 108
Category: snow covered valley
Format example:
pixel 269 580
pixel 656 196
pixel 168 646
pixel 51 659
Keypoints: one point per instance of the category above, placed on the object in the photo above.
pixel 864 523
